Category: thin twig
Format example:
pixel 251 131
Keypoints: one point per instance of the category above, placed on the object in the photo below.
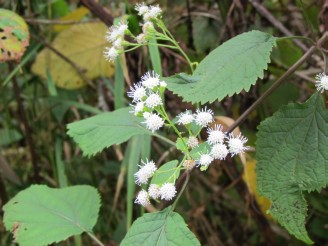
pixel 27 129
pixel 277 83
pixel 58 22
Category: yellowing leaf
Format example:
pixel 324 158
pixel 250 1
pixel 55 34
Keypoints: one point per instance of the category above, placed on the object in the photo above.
pixel 14 36
pixel 75 15
pixel 82 44
pixel 249 176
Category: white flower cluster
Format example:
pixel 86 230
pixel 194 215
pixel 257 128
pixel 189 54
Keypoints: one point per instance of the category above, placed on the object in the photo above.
pixel 221 146
pixel 321 82
pixel 164 192
pixel 147 96
pixel 115 36
pixel 149 14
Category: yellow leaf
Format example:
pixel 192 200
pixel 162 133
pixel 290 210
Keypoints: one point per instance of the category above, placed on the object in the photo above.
pixel 75 15
pixel 14 36
pixel 249 176
pixel 82 44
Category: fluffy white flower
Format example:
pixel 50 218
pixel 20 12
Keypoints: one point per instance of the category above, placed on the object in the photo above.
pixel 110 53
pixel 205 159
pixel 167 191
pixel 142 198
pixel 147 27
pixel 146 115
pixel 150 80
pixel 203 117
pixel 141 8
pixel 137 92
pixel 141 38
pixel 185 118
pixel 112 34
pixel 154 12
pixel 153 100
pixel 153 191
pixel 138 108
pixel 118 43
pixel 192 142
pixel 219 151
pixel 321 82
pixel 189 164
pixel 122 27
pixel 237 144
pixel 153 122
pixel 215 135
pixel 162 84
pixel 145 172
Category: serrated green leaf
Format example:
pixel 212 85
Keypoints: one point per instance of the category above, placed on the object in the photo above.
pixel 101 131
pixel 232 67
pixel 292 155
pixel 160 228
pixel 167 173
pixel 41 215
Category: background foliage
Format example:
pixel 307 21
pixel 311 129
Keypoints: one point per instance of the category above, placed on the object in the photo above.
pixel 63 78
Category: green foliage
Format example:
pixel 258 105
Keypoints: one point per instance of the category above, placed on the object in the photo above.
pixel 8 136
pixel 101 131
pixel 167 173
pixel 160 228
pixel 232 67
pixel 41 215
pixel 292 155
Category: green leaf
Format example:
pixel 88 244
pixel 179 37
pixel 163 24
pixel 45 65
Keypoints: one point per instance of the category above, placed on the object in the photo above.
pixel 101 131
pixel 232 67
pixel 167 173
pixel 41 215
pixel 180 145
pixel 292 155
pixel 8 136
pixel 201 148
pixel 160 228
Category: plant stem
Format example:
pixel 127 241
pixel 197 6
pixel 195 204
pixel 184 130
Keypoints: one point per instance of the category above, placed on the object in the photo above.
pixel 296 37
pixel 278 82
pixel 181 191
pixel 27 129
pixel 95 238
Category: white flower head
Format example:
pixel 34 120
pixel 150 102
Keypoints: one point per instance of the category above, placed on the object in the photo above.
pixel 118 43
pixel 153 100
pixel 153 122
pixel 145 172
pixel 189 164
pixel 321 82
pixel 215 135
pixel 162 84
pixel 141 38
pixel 192 142
pixel 111 53
pixel 141 8
pixel 219 151
pixel 147 27
pixel 167 191
pixel 153 191
pixel 138 108
pixel 122 27
pixel 237 144
pixel 146 115
pixel 205 159
pixel 154 13
pixel 142 198
pixel 185 118
pixel 150 80
pixel 137 93
pixel 204 117
pixel 112 34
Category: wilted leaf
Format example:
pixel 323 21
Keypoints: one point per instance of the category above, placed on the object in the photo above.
pixel 75 15
pixel 14 36
pixel 83 44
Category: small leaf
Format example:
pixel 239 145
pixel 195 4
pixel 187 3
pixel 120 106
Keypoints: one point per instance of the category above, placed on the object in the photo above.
pixel 82 44
pixel 201 148
pixel 232 67
pixel 101 131
pixel 292 155
pixel 160 228
pixel 180 145
pixel 167 173
pixel 8 136
pixel 14 36
pixel 41 215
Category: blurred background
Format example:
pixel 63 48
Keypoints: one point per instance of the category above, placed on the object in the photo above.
pixel 63 77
